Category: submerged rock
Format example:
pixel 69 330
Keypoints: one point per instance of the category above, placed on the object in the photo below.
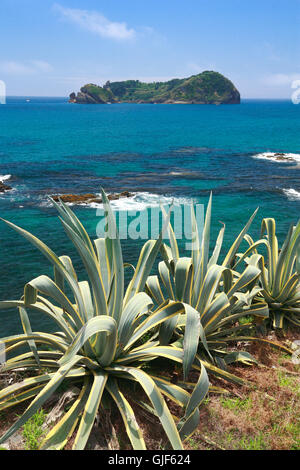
pixel 281 157
pixel 89 197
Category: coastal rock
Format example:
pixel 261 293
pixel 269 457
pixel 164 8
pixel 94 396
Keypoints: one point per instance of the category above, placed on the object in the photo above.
pixel 280 157
pixel 4 187
pixel 88 198
pixel 205 88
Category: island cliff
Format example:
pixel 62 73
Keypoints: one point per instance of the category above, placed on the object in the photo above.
pixel 205 88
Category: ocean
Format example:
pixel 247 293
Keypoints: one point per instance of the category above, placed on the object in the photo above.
pixel 159 153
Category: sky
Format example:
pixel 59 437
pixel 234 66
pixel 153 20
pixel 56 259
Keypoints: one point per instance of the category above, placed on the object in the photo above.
pixel 51 48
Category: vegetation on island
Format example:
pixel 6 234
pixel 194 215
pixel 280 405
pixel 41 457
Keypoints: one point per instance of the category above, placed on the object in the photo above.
pixel 205 88
pixel 172 337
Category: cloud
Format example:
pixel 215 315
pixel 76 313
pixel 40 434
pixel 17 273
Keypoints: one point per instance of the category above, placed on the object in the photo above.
pixel 96 23
pixel 30 67
pixel 281 79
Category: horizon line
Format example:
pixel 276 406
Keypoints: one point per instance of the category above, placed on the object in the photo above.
pixel 67 96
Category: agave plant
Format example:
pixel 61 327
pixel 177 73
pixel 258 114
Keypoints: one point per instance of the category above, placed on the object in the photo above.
pixel 104 340
pixel 219 295
pixel 280 272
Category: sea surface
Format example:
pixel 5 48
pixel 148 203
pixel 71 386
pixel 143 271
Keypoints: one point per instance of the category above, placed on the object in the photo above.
pixel 160 153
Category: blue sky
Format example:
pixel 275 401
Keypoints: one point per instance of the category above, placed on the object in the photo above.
pixel 51 48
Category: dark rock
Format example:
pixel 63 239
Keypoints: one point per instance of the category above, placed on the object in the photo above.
pixel 4 187
pixel 88 198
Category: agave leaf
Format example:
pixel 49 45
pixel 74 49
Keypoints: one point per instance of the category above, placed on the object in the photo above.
pixel 200 256
pixel 137 305
pixel 240 356
pixel 55 261
pixel 145 263
pixel 164 273
pixel 113 247
pixel 235 246
pixel 183 279
pixel 199 393
pixel 193 332
pixel 154 290
pixel 105 262
pixel 172 237
pixel 188 426
pixel 158 403
pixel 155 319
pixel 93 326
pixel 39 307
pixel 173 391
pixel 216 253
pixel 46 286
pixel 40 399
pixel 169 352
pixel 70 219
pixel 28 331
pixel 57 438
pixel 90 410
pixel 92 267
pixel 246 279
pixel 20 397
pixel 132 428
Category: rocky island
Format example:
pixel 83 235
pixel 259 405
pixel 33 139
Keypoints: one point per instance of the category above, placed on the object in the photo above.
pixel 205 88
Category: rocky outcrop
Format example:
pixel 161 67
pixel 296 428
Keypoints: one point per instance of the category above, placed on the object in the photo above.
pixel 4 187
pixel 205 88
pixel 280 157
pixel 89 198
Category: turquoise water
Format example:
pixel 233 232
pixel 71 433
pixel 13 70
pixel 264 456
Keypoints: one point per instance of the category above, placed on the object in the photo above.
pixel 156 151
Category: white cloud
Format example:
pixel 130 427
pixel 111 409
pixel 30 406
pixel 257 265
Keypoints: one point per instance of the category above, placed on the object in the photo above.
pixel 96 23
pixel 41 66
pixel 30 67
pixel 281 79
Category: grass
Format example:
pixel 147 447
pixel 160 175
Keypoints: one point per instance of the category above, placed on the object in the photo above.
pixel 33 430
pixel 248 443
pixel 236 404
pixel 266 417
pixel 286 380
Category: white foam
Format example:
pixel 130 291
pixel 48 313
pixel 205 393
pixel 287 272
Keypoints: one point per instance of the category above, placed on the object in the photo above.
pixel 137 202
pixel 141 201
pixel 292 194
pixel 278 157
pixel 4 178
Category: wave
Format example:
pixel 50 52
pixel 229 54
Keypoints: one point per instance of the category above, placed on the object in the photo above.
pixel 292 194
pixel 279 157
pixel 137 202
pixel 4 178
